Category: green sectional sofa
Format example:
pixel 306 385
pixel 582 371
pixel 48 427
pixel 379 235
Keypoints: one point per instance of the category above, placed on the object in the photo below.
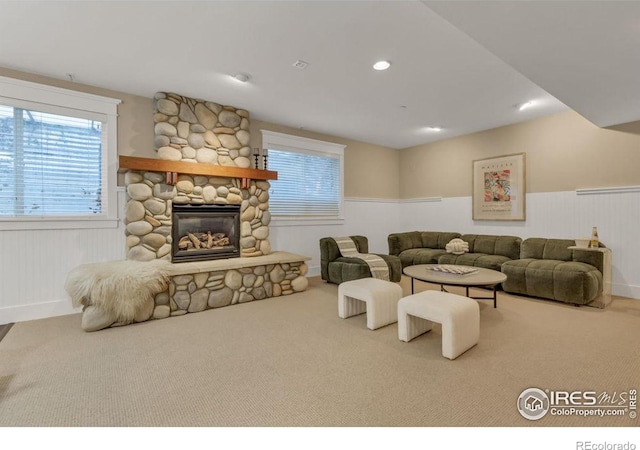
pixel 336 269
pixel 536 267
pixel 548 268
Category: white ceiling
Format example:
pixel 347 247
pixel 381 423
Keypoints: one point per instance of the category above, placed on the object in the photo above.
pixel 466 73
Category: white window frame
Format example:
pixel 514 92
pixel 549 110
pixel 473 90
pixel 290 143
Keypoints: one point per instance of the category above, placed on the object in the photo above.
pixel 287 142
pixel 56 100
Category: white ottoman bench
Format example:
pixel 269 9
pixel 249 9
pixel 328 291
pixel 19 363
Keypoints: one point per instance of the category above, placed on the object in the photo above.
pixel 378 298
pixel 459 317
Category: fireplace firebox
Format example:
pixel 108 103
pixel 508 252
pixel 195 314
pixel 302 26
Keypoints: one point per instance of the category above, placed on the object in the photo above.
pixel 205 232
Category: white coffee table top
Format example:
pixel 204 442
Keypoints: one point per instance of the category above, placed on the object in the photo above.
pixel 483 277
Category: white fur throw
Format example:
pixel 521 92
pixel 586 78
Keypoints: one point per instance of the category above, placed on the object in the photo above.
pixel 118 288
pixel 457 247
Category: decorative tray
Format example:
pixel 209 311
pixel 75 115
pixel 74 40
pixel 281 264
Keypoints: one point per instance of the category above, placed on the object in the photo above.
pixel 449 268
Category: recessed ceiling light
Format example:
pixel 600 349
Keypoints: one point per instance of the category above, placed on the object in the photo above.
pixel 382 65
pixel 242 77
pixel 525 105
pixel 436 129
pixel 300 64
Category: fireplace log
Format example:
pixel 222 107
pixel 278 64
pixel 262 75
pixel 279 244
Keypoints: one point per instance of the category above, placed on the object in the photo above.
pixel 195 240
pixel 221 242
pixel 220 239
pixel 185 243
pixel 209 240
pixel 201 241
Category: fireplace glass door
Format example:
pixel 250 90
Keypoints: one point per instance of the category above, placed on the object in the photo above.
pixel 205 232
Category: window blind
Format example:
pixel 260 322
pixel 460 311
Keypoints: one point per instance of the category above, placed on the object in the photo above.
pixel 50 164
pixel 307 185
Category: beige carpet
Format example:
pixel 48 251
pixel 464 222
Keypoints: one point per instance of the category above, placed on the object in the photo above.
pixel 290 361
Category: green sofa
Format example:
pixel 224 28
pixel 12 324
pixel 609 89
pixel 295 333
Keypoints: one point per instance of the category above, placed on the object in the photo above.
pixel 336 269
pixel 548 268
pixel 488 251
pixel 428 247
pixel 419 247
pixel 535 267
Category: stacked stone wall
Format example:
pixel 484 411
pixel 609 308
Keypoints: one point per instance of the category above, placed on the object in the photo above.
pixel 194 130
pixel 198 292
pixel 203 132
pixel 195 292
pixel 148 211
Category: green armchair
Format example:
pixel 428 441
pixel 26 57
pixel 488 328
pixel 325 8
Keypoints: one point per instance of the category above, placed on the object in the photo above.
pixel 336 269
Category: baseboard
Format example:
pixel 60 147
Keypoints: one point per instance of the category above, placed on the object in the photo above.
pixel 625 290
pixel 314 271
pixel 36 311
pixel 44 310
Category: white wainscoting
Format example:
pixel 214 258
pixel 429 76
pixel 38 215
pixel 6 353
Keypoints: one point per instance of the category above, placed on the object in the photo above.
pixel 563 215
pixel 34 266
pixel 373 218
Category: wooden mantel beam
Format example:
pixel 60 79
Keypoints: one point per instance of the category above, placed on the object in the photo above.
pixel 181 167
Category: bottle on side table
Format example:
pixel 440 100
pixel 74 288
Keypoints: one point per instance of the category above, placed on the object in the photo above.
pixel 595 242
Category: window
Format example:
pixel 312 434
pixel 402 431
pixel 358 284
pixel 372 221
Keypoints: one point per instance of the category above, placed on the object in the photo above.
pixel 309 188
pixel 57 157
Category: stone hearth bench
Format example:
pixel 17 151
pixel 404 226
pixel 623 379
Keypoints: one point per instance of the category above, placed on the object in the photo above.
pixel 197 286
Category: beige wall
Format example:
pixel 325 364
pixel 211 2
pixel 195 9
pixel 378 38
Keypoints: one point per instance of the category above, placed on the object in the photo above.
pixel 370 171
pixel 135 113
pixel 563 152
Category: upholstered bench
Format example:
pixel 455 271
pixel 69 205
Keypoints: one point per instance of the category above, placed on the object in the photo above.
pixel 378 298
pixel 458 315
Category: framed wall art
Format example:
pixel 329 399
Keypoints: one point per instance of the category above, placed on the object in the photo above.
pixel 499 188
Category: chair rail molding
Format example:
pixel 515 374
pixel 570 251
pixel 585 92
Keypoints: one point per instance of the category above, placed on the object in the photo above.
pixel 607 190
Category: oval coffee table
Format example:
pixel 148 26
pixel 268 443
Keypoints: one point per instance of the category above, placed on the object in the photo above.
pixel 485 278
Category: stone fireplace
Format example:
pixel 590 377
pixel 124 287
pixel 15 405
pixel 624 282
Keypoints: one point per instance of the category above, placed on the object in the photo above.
pixel 203 173
pixel 205 134
pixel 150 204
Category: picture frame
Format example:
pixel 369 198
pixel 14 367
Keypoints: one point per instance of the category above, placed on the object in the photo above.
pixel 499 188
